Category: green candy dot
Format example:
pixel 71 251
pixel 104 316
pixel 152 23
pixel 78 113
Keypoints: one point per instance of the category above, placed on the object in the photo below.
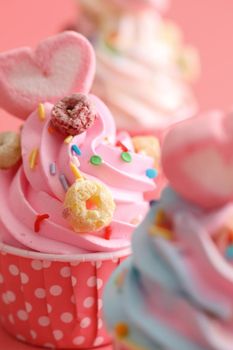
pixel 96 160
pixel 126 157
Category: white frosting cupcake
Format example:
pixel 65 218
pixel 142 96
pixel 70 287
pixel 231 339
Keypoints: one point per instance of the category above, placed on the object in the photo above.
pixel 143 68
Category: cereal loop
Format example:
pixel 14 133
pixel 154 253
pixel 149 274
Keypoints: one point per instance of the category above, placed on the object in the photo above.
pixel 10 150
pixel 90 206
pixel 148 145
pixel 73 114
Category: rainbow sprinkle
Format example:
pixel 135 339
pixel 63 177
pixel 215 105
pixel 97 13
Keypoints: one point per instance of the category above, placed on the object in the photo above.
pixel 68 139
pixel 122 146
pixel 76 149
pixel 75 171
pixel 41 112
pixel 64 182
pixel 33 157
pixel 38 221
pixel 107 232
pixel 53 169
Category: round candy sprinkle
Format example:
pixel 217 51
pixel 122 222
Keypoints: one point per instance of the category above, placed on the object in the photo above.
pixel 121 329
pixel 151 173
pixel 229 252
pixel 126 157
pixel 96 160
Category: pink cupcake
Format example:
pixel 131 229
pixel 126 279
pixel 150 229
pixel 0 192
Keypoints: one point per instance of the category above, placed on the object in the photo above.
pixel 69 207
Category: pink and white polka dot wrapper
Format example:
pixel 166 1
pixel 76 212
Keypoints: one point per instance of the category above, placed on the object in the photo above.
pixel 55 301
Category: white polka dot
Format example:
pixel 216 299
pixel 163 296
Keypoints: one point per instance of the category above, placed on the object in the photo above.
pixel 49 346
pixel 49 308
pixel 55 290
pixel 47 264
pixel 86 321
pixel 65 272
pixel 1 278
pixel 73 281
pixel 37 265
pixel 91 282
pixel 66 317
pixel 22 315
pixel 98 264
pixel 44 321
pixel 11 319
pixel 40 293
pixel 100 323
pixel 99 283
pixel 11 297
pixel 115 260
pixel 33 334
pixel 98 341
pixel 4 299
pixel 20 337
pixel 24 278
pixel 75 263
pixel 14 270
pixel 72 299
pixel 58 335
pixel 88 302
pixel 100 304
pixel 79 340
pixel 28 307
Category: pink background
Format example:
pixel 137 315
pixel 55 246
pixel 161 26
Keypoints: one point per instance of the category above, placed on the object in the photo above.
pixel 207 24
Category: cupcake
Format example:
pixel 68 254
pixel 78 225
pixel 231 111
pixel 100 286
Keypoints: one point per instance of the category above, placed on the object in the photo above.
pixel 72 191
pixel 143 68
pixel 176 290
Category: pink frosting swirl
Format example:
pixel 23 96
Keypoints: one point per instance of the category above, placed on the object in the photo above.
pixel 27 193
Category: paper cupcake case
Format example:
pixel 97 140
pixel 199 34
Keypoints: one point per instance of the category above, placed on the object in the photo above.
pixel 55 301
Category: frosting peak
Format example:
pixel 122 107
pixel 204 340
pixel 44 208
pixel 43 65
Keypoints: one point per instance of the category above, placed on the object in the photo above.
pixel 39 185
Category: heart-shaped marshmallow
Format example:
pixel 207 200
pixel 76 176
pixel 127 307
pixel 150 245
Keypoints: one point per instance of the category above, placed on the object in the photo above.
pixel 60 65
pixel 197 159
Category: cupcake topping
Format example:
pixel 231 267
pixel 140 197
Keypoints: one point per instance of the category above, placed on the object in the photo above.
pixel 41 112
pixel 90 204
pixel 38 221
pixel 73 114
pixel 10 149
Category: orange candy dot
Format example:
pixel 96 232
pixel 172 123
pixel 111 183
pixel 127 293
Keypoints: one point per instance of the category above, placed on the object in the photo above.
pixel 122 329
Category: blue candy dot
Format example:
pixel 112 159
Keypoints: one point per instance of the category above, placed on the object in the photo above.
pixel 229 252
pixel 151 173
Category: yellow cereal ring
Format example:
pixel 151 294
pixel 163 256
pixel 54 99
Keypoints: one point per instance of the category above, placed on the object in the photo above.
pixel 90 206
pixel 10 150
pixel 148 145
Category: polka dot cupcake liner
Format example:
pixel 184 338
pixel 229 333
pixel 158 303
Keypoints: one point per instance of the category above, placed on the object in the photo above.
pixel 55 301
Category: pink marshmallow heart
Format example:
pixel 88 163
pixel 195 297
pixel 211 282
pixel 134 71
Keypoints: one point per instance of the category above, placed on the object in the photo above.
pixel 197 158
pixel 59 66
